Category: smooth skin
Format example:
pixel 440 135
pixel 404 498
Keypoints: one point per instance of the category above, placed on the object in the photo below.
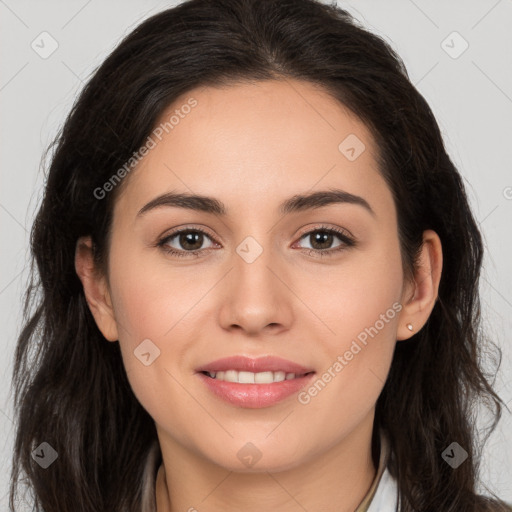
pixel 253 146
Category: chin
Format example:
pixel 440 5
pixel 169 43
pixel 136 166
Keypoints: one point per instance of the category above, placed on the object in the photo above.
pixel 250 458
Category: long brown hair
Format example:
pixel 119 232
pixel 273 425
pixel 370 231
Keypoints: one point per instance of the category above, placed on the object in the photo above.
pixel 71 390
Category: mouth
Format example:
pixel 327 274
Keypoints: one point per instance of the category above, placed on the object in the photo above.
pixel 254 383
pixel 254 395
pixel 247 365
pixel 245 377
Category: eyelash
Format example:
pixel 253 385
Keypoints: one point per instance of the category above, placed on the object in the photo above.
pixel 342 235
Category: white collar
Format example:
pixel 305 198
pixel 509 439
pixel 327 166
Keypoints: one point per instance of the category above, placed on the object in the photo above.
pixel 382 495
pixel 385 497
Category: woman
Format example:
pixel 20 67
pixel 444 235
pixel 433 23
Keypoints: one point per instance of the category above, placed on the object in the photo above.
pixel 192 352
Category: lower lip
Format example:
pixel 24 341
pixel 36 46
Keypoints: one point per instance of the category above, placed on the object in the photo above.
pixel 255 396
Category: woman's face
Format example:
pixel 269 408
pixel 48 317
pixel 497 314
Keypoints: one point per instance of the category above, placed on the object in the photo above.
pixel 267 280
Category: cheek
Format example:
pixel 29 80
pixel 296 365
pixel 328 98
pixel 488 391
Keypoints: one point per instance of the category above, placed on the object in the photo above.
pixel 355 365
pixel 141 308
pixel 153 342
pixel 147 311
pixel 361 307
pixel 151 297
pixel 355 294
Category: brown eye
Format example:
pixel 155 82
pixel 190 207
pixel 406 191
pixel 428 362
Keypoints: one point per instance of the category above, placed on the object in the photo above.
pixel 185 242
pixel 321 241
pixel 190 240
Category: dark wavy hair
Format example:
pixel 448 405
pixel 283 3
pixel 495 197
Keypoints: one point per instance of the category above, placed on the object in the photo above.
pixel 71 389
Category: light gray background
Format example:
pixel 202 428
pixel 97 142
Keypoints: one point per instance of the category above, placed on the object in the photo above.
pixel 470 95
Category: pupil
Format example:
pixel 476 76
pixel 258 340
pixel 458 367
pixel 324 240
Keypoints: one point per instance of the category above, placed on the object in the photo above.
pixel 327 239
pixel 188 238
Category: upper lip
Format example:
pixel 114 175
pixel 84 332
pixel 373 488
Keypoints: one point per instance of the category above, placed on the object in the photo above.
pixel 261 364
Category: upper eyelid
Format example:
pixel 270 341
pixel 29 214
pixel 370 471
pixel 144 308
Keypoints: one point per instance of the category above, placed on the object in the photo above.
pixel 202 230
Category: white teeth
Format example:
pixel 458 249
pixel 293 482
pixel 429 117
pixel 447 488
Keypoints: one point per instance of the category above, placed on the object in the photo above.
pixel 251 377
pixel 244 377
pixel 230 376
pixel 279 376
pixel 264 378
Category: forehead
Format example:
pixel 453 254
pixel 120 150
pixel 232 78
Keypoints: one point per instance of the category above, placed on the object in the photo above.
pixel 253 142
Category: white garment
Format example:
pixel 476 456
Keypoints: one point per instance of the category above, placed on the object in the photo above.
pixel 385 497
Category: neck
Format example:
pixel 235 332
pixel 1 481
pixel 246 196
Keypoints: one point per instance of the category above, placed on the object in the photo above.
pixel 336 480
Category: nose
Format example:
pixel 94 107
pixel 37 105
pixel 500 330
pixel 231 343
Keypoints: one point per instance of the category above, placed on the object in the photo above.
pixel 257 295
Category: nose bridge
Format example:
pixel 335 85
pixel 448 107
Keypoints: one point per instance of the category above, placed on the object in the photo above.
pixel 252 274
pixel 255 296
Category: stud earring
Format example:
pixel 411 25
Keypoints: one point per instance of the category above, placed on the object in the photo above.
pixel 409 326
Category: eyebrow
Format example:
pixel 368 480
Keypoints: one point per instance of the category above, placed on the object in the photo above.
pixel 296 203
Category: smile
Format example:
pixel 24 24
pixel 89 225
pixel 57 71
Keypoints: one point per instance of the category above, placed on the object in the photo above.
pixel 251 377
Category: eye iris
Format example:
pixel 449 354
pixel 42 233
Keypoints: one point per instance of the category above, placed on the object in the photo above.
pixel 190 238
pixel 324 238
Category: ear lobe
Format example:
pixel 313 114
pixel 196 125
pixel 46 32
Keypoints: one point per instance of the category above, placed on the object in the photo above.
pixel 95 289
pixel 427 277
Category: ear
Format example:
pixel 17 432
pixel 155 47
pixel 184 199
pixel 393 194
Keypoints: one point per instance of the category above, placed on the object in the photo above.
pixel 420 296
pixel 95 289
